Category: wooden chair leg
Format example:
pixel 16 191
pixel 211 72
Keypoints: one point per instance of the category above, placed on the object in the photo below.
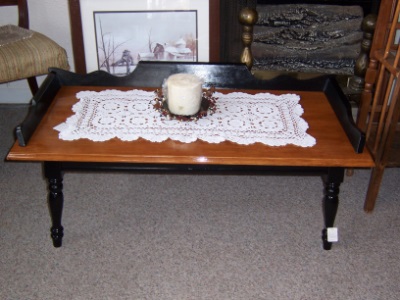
pixel 373 188
pixel 33 85
pixel 349 172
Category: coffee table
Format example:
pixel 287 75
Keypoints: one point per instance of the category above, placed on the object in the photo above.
pixel 339 143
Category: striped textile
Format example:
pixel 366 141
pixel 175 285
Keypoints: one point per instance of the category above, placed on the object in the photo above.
pixel 30 57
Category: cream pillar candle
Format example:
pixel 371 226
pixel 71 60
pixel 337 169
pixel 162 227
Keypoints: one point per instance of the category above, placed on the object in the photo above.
pixel 184 94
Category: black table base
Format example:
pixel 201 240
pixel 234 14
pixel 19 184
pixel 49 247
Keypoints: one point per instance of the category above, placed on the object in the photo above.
pixel 53 171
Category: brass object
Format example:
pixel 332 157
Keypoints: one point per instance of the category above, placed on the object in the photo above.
pixel 248 18
pixel 368 27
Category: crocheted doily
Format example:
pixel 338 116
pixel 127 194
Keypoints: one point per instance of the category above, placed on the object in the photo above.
pixel 239 117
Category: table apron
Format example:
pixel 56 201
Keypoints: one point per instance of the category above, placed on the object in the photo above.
pixel 51 167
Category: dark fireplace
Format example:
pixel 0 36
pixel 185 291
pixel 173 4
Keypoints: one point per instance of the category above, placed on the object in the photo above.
pixel 298 36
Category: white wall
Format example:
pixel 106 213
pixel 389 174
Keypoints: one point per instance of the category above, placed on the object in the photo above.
pixel 50 17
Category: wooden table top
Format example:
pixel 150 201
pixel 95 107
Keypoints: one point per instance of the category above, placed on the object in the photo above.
pixel 332 148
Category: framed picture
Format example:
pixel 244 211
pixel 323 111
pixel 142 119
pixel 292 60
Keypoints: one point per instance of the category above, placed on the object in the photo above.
pixel 124 38
pixel 115 35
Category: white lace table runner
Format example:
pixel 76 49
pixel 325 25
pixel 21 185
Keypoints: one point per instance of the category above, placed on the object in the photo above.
pixel 239 117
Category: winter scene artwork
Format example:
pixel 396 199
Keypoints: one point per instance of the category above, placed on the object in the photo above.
pixel 124 38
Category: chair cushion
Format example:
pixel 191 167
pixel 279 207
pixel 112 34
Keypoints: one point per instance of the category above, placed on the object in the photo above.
pixel 11 33
pixel 30 56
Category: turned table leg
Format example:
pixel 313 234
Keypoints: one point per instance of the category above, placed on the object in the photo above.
pixel 332 183
pixel 54 176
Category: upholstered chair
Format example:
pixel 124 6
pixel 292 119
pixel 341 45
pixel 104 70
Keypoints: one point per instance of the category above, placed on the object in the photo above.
pixel 25 54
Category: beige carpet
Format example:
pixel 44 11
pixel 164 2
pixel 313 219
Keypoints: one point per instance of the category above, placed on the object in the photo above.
pixel 130 236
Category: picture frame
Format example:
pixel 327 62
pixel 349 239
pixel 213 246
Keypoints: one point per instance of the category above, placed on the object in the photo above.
pixel 83 26
pixel 123 38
